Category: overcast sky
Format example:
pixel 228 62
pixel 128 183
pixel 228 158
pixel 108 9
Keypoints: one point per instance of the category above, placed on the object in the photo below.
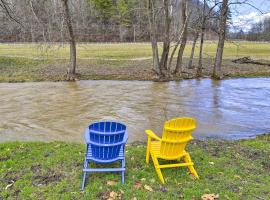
pixel 244 15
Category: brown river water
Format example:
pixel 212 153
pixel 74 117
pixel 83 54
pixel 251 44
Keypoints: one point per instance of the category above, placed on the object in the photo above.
pixel 48 111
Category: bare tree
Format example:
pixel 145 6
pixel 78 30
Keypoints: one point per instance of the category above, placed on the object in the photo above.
pixel 194 27
pixel 151 11
pixel 183 42
pixel 194 42
pixel 166 41
pixel 203 24
pixel 72 42
pixel 222 34
pixel 179 41
pixel 5 6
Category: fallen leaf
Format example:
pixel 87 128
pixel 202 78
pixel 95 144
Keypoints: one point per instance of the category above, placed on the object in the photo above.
pixel 138 185
pixel 9 185
pixel 113 195
pixel 111 183
pixel 152 180
pixel 147 187
pixel 211 163
pixel 210 197
pixel 132 158
pixel 122 192
pixel 143 179
pixel 237 176
pixel 134 198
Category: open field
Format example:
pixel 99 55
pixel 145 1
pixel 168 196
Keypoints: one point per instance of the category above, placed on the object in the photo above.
pixel 35 62
pixel 233 170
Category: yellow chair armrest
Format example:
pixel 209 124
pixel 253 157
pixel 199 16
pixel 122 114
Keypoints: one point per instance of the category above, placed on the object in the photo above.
pixel 151 134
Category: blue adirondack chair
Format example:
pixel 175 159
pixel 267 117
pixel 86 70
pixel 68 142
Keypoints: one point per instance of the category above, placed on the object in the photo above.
pixel 105 143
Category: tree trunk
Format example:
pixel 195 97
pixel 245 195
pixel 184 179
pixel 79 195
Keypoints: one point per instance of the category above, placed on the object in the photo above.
pixel 179 62
pixel 121 36
pixel 222 35
pixel 178 42
pixel 72 42
pixel 196 35
pixel 199 69
pixel 153 35
pixel 166 42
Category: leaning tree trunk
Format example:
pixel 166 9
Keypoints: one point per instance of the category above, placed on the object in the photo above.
pixel 222 35
pixel 179 61
pixel 72 42
pixel 193 50
pixel 166 43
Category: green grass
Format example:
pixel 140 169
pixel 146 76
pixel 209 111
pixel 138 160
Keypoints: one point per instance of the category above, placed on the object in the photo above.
pixel 126 50
pixel 37 62
pixel 233 170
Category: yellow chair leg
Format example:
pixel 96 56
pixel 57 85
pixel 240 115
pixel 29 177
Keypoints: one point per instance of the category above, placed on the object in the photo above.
pixel 192 170
pixel 156 164
pixel 148 150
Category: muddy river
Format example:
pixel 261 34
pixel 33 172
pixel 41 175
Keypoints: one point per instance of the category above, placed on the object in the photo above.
pixel 48 111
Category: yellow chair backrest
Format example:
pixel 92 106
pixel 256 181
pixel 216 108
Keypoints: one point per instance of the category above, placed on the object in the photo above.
pixel 176 134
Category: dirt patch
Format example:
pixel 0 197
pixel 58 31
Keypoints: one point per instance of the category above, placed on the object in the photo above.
pixel 36 169
pixel 266 165
pixel 50 177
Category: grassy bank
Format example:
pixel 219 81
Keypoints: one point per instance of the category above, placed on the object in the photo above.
pixel 34 62
pixel 233 170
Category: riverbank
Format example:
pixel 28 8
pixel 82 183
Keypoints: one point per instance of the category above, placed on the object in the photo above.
pixel 35 62
pixel 25 70
pixel 231 170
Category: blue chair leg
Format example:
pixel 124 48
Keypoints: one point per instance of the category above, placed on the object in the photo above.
pixel 123 172
pixel 84 174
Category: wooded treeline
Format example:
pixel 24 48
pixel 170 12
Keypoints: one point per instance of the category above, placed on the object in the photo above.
pixel 92 20
pixel 259 32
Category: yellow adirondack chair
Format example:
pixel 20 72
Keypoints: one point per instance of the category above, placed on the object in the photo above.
pixel 176 134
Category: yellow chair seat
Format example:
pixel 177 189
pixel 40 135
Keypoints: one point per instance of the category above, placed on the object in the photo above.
pixel 155 150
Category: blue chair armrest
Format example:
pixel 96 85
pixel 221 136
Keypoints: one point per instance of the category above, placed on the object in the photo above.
pixel 87 135
pixel 125 137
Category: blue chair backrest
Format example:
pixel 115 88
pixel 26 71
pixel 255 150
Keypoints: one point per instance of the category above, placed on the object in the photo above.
pixel 105 152
pixel 108 139
pixel 107 132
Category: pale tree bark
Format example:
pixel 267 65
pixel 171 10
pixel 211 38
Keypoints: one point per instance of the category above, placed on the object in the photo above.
pixel 179 41
pixel 72 42
pixel 217 73
pixel 183 42
pixel 195 38
pixel 151 12
pixel 38 20
pixel 203 24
